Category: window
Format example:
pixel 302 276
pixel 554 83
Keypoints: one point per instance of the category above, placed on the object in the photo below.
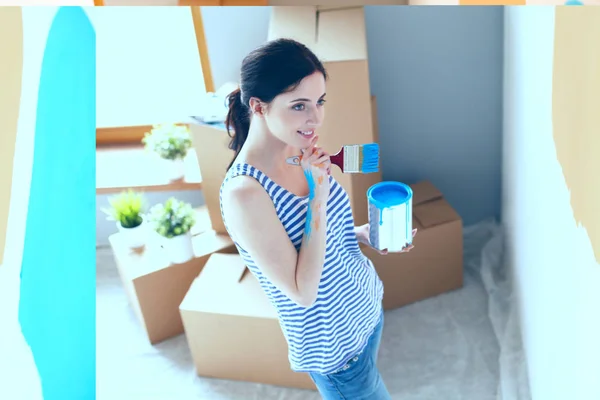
pixel 150 63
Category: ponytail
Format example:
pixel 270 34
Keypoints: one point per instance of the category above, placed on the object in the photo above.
pixel 238 118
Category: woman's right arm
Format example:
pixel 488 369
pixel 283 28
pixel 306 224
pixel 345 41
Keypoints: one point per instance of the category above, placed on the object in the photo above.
pixel 253 222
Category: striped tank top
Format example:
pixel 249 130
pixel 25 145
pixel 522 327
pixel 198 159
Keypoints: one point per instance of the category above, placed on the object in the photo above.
pixel 324 337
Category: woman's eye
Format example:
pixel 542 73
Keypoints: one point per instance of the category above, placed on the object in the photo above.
pixel 299 107
pixel 322 102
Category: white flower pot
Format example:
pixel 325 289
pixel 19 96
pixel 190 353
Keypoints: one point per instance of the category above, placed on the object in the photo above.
pixel 179 248
pixel 175 169
pixel 134 237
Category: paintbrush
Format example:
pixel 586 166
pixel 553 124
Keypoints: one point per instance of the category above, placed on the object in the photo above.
pixel 352 159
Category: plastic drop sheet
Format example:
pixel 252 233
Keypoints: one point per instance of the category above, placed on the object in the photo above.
pixel 462 345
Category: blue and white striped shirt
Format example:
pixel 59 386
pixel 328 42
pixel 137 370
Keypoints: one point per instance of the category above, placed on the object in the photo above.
pixel 324 337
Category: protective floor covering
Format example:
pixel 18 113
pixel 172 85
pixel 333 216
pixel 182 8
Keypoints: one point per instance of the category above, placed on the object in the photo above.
pixel 460 345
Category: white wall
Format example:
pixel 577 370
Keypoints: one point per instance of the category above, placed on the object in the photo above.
pixel 148 67
pixel 556 276
pixel 231 33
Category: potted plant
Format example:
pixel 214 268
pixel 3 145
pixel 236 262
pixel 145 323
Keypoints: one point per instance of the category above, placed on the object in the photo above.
pixel 170 142
pixel 127 210
pixel 173 220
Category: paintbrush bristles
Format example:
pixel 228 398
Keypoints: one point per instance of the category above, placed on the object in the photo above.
pixel 358 158
pixel 368 158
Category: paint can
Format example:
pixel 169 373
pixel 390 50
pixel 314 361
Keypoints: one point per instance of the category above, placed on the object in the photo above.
pixel 390 215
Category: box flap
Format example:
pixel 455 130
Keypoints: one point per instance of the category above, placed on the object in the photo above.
pixel 333 34
pixel 424 191
pixel 429 206
pixel 341 35
pixel 209 242
pixel 435 213
pixel 219 289
pixel 294 22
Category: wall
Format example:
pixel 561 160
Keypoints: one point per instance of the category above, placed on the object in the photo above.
pixel 231 33
pixel 549 244
pixel 437 74
pixel 11 25
pixel 148 65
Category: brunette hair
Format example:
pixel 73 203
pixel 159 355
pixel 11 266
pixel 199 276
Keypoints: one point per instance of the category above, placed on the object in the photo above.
pixel 274 68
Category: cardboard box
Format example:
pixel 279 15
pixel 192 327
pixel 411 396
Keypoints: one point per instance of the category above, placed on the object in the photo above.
pixel 232 328
pixel 435 265
pixel 211 144
pixel 155 287
pixel 350 118
pixel 332 33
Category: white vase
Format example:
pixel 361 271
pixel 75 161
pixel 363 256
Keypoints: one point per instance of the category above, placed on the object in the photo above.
pixel 134 237
pixel 179 248
pixel 175 169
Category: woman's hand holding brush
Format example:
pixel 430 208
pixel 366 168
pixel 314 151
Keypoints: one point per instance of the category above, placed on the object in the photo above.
pixel 317 166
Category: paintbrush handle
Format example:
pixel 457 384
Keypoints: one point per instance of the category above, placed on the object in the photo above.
pixel 336 159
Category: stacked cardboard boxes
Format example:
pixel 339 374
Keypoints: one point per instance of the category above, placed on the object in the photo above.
pixel 155 287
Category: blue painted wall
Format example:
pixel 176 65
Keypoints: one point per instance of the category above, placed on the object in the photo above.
pixel 57 309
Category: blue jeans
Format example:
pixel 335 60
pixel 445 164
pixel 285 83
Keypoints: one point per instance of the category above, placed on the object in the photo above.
pixel 359 379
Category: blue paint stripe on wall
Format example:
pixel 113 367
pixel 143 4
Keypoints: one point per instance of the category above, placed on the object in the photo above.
pixel 57 310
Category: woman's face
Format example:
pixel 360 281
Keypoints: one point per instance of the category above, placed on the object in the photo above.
pixel 294 116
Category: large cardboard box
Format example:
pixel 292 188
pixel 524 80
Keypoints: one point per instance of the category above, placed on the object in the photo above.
pixel 435 265
pixel 232 328
pixel 350 118
pixel 155 287
pixel 211 143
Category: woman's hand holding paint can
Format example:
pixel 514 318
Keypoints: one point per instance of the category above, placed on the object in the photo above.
pixel 363 236
pixel 317 165
pixel 390 216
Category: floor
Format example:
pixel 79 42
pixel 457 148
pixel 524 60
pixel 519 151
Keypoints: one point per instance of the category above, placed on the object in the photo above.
pixel 455 346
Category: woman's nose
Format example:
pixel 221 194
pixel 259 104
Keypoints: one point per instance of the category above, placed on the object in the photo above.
pixel 315 119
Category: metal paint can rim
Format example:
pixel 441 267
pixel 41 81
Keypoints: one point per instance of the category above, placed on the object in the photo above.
pixel 381 185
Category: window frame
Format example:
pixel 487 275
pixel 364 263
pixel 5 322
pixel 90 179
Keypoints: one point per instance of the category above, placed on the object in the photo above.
pixel 127 135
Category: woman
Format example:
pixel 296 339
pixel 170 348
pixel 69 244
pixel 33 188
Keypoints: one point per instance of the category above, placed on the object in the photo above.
pixel 294 228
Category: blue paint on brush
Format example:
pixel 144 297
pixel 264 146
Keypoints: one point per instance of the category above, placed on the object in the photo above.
pixel 370 154
pixel 311 195
pixel 57 308
pixel 573 3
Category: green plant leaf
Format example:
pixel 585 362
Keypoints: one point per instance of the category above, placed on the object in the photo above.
pixel 173 218
pixel 126 208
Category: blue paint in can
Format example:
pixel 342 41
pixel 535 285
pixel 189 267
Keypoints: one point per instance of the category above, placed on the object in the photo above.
pixel 397 197
pixel 387 195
